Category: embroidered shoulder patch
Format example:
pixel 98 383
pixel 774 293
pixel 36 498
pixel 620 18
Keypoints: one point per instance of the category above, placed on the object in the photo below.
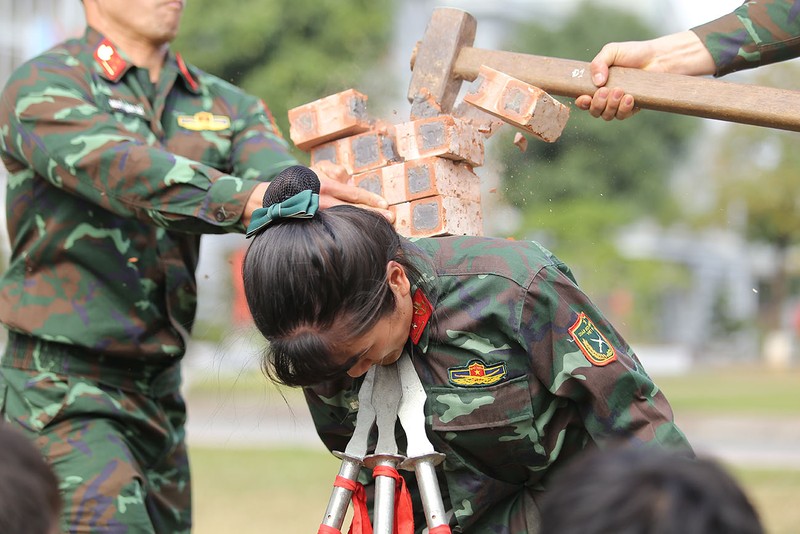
pixel 109 60
pixel 592 343
pixel 477 374
pixel 204 121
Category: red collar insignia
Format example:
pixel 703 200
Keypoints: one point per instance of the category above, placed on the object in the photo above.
pixel 422 312
pixel 186 74
pixel 109 60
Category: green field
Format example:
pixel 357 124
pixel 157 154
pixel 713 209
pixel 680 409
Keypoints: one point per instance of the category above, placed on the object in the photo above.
pixel 286 490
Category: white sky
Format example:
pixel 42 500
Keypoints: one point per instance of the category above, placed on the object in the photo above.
pixel 694 12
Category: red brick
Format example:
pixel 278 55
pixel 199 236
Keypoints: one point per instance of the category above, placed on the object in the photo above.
pixel 328 118
pixel 422 178
pixel 438 215
pixel 444 136
pixel 518 103
pixel 424 106
pixel 358 153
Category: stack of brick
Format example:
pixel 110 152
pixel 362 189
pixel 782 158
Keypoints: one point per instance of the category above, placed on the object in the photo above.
pixel 424 167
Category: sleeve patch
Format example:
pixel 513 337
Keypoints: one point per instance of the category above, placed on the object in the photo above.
pixel 592 343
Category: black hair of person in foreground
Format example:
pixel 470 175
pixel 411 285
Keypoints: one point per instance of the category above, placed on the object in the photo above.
pixel 30 502
pixel 637 490
pixel 335 294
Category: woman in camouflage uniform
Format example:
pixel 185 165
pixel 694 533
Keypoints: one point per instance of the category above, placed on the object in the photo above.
pixel 521 370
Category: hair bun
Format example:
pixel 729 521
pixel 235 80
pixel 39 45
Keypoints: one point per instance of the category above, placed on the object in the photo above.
pixel 289 182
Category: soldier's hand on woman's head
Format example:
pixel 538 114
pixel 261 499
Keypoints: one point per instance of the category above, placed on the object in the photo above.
pixel 336 187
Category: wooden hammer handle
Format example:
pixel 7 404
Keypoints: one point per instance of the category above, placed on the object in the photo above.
pixel 675 93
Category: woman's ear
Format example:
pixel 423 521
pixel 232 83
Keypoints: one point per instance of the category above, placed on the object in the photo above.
pixel 397 279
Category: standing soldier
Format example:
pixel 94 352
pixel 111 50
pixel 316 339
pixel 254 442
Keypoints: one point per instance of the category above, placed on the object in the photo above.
pixel 120 155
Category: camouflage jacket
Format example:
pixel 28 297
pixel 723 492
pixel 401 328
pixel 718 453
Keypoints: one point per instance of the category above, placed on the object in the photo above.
pixel 521 372
pixel 756 33
pixel 112 180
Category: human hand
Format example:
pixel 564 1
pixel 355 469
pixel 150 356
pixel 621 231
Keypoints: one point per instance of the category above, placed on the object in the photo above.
pixel 336 187
pixel 614 103
pixel 677 53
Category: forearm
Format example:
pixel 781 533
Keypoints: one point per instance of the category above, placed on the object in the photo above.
pixel 756 33
pixel 680 53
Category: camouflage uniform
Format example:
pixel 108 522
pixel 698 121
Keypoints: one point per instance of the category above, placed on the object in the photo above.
pixel 521 371
pixel 756 33
pixel 112 180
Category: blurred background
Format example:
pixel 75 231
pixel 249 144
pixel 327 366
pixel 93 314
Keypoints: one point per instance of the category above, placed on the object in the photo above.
pixel 683 230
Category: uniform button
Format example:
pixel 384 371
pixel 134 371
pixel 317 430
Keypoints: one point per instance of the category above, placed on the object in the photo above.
pixel 221 215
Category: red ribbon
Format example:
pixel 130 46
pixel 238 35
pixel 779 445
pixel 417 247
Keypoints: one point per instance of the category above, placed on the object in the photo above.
pixel 360 524
pixel 403 512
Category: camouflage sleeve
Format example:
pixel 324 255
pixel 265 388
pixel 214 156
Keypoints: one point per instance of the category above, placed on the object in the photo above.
pixel 333 412
pixel 259 150
pixel 51 125
pixel 591 366
pixel 756 33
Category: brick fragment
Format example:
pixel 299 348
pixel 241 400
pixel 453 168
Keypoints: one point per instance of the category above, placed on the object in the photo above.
pixel 424 106
pixel 359 153
pixel 420 178
pixel 444 136
pixel 438 215
pixel 485 123
pixel 328 118
pixel 518 103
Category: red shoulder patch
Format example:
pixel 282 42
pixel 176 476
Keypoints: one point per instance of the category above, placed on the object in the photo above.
pixel 110 61
pixel 422 313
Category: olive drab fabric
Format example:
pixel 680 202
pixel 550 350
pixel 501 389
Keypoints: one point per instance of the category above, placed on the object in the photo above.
pixel 521 371
pixel 112 180
pixel 756 33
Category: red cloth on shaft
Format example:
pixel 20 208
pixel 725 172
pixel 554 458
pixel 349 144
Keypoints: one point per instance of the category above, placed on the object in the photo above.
pixel 403 512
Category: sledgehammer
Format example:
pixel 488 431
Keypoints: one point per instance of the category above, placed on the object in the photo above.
pixel 444 58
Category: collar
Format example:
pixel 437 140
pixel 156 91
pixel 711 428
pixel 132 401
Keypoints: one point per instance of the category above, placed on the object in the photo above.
pixel 113 63
pixel 423 298
pixel 421 315
pixel 110 60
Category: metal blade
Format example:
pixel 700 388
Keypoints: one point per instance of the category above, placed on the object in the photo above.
pixel 422 457
pixel 365 419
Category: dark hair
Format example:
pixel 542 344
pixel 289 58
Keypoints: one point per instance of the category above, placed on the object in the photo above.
pixel 313 284
pixel 640 490
pixel 29 496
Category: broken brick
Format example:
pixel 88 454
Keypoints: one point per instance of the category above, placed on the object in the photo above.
pixel 518 103
pixel 358 153
pixel 438 215
pixel 328 118
pixel 444 136
pixel 420 178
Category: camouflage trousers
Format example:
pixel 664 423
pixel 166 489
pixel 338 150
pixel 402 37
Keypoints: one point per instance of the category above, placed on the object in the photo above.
pixel 113 433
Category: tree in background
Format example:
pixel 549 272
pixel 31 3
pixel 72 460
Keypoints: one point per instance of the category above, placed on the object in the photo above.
pixel 288 52
pixel 755 173
pixel 576 194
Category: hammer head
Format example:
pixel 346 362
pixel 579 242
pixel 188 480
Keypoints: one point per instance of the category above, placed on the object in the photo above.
pixel 432 65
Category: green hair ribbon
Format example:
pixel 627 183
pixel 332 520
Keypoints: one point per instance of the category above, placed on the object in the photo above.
pixel 303 205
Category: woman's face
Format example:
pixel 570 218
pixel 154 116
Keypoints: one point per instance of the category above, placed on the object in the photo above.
pixel 383 344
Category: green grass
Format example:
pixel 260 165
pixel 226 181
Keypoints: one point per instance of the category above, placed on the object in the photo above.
pixel 734 390
pixel 249 491
pixel 252 491
pixel 774 494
